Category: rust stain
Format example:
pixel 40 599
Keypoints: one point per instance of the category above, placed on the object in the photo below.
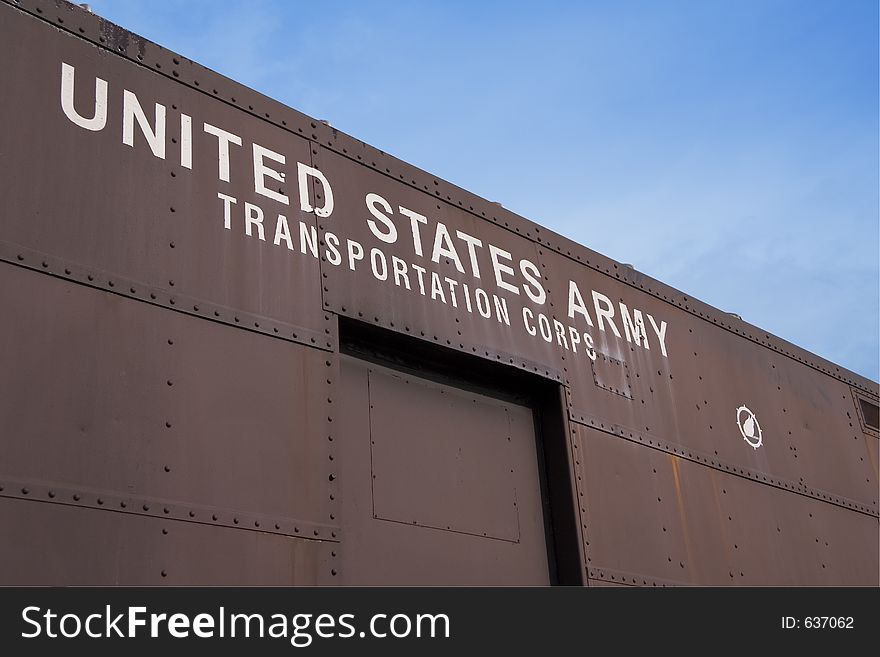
pixel 719 513
pixel 679 500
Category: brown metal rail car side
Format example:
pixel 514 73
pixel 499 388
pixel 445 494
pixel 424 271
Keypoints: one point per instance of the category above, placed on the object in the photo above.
pixel 242 347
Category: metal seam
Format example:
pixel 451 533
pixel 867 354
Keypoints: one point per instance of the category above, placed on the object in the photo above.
pixel 713 462
pixel 630 579
pixel 58 267
pixel 70 495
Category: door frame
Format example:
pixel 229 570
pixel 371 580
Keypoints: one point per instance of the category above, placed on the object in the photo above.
pixel 546 398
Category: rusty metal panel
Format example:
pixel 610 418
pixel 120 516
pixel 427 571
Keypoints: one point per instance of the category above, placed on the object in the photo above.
pixel 115 204
pixel 686 391
pixel 116 399
pixel 376 550
pixel 53 545
pixel 227 439
pixel 809 434
pixel 397 285
pixel 655 515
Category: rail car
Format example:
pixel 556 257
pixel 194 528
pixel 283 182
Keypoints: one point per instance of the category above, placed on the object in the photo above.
pixel 242 347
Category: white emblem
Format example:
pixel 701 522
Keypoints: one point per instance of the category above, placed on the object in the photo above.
pixel 749 427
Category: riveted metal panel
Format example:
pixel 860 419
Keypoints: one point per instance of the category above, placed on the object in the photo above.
pixel 612 375
pixel 444 458
pixel 441 303
pixel 655 515
pixel 809 428
pixel 377 550
pixel 53 545
pixel 118 400
pixel 125 218
pixel 244 412
pixel 687 401
pixel 112 38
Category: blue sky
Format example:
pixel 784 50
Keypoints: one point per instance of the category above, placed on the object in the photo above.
pixel 729 149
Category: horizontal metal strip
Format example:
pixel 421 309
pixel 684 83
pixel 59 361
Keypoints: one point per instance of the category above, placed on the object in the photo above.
pixel 711 461
pixel 459 344
pixel 41 491
pixel 629 579
pixel 549 372
pixel 165 63
pixel 60 268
